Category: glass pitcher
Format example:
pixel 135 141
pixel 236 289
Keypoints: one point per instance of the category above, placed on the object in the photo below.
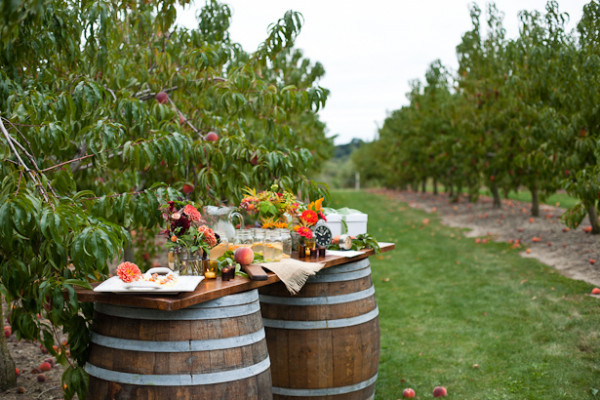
pixel 221 219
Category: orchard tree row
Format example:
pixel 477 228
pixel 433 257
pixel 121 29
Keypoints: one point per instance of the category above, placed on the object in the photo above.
pixel 521 112
pixel 107 108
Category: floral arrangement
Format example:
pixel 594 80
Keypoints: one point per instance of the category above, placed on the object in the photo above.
pixel 187 229
pixel 271 208
pixel 307 217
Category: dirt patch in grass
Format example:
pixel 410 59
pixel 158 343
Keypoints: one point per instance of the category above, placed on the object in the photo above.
pixel 572 252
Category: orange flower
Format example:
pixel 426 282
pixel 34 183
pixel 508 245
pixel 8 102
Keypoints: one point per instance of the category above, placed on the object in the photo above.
pixel 209 235
pixel 281 225
pixel 268 224
pixel 128 272
pixel 174 239
pixel 192 212
pixel 317 205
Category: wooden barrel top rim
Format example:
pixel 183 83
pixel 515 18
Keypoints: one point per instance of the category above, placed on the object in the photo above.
pixel 191 313
pixel 180 345
pixel 340 277
pixel 348 267
pixel 319 300
pixel 179 380
pixel 325 391
pixel 322 324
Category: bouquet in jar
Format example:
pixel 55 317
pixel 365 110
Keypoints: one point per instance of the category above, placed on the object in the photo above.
pixel 189 238
pixel 270 209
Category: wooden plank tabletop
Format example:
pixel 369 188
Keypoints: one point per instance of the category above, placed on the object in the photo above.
pixel 208 289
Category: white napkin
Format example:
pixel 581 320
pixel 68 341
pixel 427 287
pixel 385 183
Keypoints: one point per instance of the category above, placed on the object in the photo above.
pixel 344 253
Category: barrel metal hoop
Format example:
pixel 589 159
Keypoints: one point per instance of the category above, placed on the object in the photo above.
pixel 230 300
pixel 321 300
pixel 325 391
pixel 325 324
pixel 153 346
pixel 341 277
pixel 183 314
pixel 179 380
pixel 353 266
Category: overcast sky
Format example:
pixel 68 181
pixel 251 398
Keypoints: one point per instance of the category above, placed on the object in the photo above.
pixel 370 49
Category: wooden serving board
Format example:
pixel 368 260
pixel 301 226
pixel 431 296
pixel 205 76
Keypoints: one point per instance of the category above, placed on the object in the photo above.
pixel 255 272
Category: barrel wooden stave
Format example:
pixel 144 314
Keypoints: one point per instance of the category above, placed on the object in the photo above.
pixel 324 362
pixel 214 350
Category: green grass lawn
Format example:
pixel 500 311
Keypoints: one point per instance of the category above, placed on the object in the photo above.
pixel 447 304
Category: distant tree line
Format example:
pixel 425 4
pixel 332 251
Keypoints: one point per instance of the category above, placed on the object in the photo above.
pixel 521 112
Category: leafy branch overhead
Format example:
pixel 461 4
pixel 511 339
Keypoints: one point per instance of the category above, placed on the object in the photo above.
pixel 90 146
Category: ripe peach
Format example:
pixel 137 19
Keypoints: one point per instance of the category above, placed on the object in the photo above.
pixel 243 255
pixel 592 261
pixel 187 188
pixel 45 366
pixel 439 391
pixel 596 290
pixel 408 393
pixel 7 331
pixel 211 137
pixel 162 97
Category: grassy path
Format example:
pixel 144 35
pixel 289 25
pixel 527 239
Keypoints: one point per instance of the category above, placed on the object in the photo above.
pixel 477 319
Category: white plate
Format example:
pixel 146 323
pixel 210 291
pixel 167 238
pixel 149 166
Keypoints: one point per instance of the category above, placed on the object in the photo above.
pixel 186 283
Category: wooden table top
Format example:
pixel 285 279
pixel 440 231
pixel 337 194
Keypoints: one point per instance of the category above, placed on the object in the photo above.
pixel 208 289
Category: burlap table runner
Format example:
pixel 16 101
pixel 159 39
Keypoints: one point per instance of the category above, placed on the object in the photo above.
pixel 293 273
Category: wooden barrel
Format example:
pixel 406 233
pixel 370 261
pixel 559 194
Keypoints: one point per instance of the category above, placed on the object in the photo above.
pixel 324 342
pixel 214 350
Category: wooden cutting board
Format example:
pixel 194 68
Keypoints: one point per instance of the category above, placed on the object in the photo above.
pixel 255 272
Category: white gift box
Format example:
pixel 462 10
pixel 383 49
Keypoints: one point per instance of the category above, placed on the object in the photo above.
pixel 356 222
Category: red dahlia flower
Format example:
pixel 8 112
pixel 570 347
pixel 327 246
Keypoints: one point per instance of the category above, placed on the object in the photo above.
pixel 305 232
pixel 310 217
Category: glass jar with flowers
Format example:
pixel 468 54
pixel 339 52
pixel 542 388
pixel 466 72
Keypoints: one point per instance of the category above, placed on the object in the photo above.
pixel 189 239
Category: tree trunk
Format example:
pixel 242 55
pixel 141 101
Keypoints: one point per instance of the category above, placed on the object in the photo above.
pixel 424 186
pixel 8 377
pixel 535 201
pixel 496 195
pixel 593 216
pixel 435 186
pixel 456 195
